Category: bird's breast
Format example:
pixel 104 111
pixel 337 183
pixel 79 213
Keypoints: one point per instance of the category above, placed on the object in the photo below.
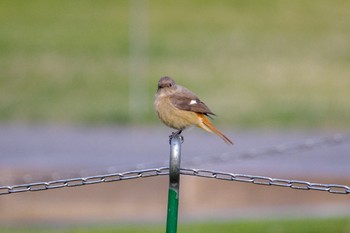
pixel 172 116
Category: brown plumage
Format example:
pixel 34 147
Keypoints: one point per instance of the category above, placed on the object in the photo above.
pixel 179 108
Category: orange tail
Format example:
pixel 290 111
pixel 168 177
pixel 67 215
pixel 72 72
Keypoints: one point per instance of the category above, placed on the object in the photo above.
pixel 206 124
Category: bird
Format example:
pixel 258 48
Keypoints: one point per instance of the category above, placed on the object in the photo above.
pixel 179 108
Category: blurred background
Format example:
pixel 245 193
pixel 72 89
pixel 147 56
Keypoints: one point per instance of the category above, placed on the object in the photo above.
pixel 77 82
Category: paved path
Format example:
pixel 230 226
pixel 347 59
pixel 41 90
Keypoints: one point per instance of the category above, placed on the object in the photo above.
pixel 43 153
pixel 73 151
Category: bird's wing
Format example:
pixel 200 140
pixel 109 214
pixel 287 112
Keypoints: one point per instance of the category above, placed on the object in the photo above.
pixel 186 100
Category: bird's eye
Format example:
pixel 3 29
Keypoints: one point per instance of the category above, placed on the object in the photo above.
pixel 170 84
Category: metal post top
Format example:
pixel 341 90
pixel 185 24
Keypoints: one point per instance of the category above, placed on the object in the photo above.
pixel 175 157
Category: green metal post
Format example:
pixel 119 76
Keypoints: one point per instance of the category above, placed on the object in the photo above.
pixel 174 183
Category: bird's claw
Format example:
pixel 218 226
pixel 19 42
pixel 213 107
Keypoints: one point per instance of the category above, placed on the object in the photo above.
pixel 174 134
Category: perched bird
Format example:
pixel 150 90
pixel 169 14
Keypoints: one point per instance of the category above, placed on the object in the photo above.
pixel 179 108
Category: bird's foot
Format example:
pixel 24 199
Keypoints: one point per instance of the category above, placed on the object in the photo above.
pixel 177 133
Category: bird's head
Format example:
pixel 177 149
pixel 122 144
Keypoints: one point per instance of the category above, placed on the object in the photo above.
pixel 166 84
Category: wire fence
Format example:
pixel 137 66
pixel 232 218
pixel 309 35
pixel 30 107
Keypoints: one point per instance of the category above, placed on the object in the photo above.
pixel 335 140
pixel 39 186
pixel 204 173
pixel 174 171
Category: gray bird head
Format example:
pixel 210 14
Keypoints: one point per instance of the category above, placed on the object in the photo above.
pixel 166 83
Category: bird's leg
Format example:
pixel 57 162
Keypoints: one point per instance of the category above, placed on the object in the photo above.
pixel 178 132
pixel 173 134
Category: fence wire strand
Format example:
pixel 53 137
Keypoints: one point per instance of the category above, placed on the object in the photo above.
pixel 259 180
pixel 40 186
pixel 263 180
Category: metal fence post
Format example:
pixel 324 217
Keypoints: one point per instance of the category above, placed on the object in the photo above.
pixel 174 183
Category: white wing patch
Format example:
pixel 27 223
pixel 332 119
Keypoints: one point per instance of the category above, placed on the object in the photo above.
pixel 193 102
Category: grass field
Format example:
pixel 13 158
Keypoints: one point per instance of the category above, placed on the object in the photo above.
pixel 336 225
pixel 267 63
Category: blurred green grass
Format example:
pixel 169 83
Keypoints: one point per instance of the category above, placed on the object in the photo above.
pixel 335 225
pixel 270 63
